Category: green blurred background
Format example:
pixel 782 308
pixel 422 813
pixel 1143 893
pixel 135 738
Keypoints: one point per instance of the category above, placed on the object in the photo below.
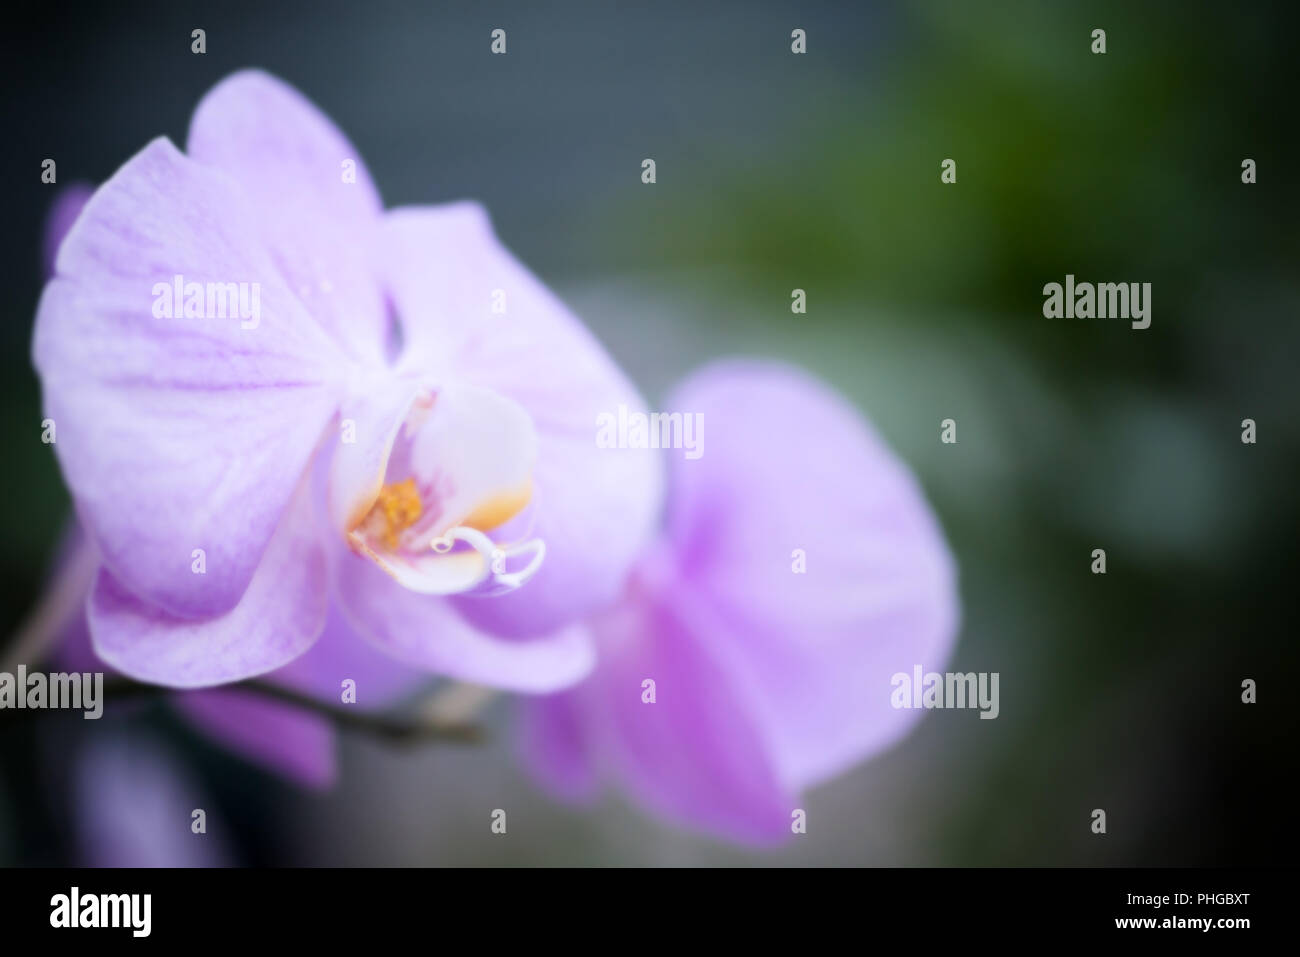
pixel 819 172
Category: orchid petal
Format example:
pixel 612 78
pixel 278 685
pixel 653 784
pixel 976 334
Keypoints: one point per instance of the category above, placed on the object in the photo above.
pixel 314 203
pixel 65 209
pixel 425 631
pixel 801 570
pixel 594 508
pixel 177 434
pixel 279 617
pixel 289 741
pixel 791 466
pixel 693 752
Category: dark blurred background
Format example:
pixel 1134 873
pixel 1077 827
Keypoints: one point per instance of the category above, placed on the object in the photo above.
pixel 821 172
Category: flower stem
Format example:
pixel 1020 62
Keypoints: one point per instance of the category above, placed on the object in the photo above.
pixel 425 727
pixel 46 622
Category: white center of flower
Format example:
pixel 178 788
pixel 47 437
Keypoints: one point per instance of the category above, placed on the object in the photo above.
pixel 459 469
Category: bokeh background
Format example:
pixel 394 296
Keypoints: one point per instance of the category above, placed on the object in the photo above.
pixel 778 171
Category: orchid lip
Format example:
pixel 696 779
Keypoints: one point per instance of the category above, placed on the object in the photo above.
pixel 479 570
pixel 433 497
pixel 430 561
pixel 495 580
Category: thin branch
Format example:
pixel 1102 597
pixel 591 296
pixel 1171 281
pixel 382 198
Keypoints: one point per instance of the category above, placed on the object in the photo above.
pixel 396 730
pixel 46 622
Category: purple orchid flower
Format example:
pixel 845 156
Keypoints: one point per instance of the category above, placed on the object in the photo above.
pixel 271 397
pixel 296 744
pixel 767 681
pixel 751 657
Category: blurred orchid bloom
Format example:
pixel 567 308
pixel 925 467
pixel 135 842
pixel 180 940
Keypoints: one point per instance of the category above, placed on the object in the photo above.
pixel 750 655
pixel 377 436
pixel 135 807
pixel 751 658
pixel 296 744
